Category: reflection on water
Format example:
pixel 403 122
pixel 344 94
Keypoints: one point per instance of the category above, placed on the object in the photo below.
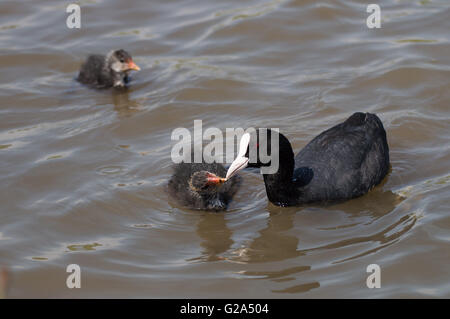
pixel 215 235
pixel 277 241
pixel 123 105
pixel 273 243
pixel 84 171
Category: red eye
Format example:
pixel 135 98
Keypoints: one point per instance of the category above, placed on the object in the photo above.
pixel 257 144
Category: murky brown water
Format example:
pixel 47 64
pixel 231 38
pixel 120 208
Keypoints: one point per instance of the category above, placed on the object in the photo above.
pixel 83 171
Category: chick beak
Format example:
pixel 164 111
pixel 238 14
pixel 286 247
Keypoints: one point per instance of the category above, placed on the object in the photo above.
pixel 133 66
pixel 216 180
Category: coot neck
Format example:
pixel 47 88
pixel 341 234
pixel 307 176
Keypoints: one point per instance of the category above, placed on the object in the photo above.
pixel 280 187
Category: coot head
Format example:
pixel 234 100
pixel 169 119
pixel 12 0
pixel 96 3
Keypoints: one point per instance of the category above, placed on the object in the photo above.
pixel 259 149
pixel 202 186
pixel 204 182
pixel 121 61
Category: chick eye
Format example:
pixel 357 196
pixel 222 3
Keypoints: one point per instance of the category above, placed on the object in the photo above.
pixel 122 60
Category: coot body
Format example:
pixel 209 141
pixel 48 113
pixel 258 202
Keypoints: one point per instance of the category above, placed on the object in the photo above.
pixel 202 186
pixel 104 71
pixel 341 163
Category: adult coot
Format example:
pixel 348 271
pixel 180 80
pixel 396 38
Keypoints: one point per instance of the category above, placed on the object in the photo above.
pixel 200 186
pixel 342 162
pixel 111 70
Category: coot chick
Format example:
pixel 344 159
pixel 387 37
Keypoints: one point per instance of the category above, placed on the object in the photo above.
pixel 199 186
pixel 112 70
pixel 341 163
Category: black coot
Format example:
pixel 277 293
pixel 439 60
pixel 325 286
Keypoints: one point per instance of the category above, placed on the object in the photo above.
pixel 200 186
pixel 342 162
pixel 112 70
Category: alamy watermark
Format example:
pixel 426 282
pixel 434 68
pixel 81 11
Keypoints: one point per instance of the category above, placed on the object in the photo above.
pixel 74 19
pixel 373 20
pixel 254 146
pixel 374 279
pixel 74 279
